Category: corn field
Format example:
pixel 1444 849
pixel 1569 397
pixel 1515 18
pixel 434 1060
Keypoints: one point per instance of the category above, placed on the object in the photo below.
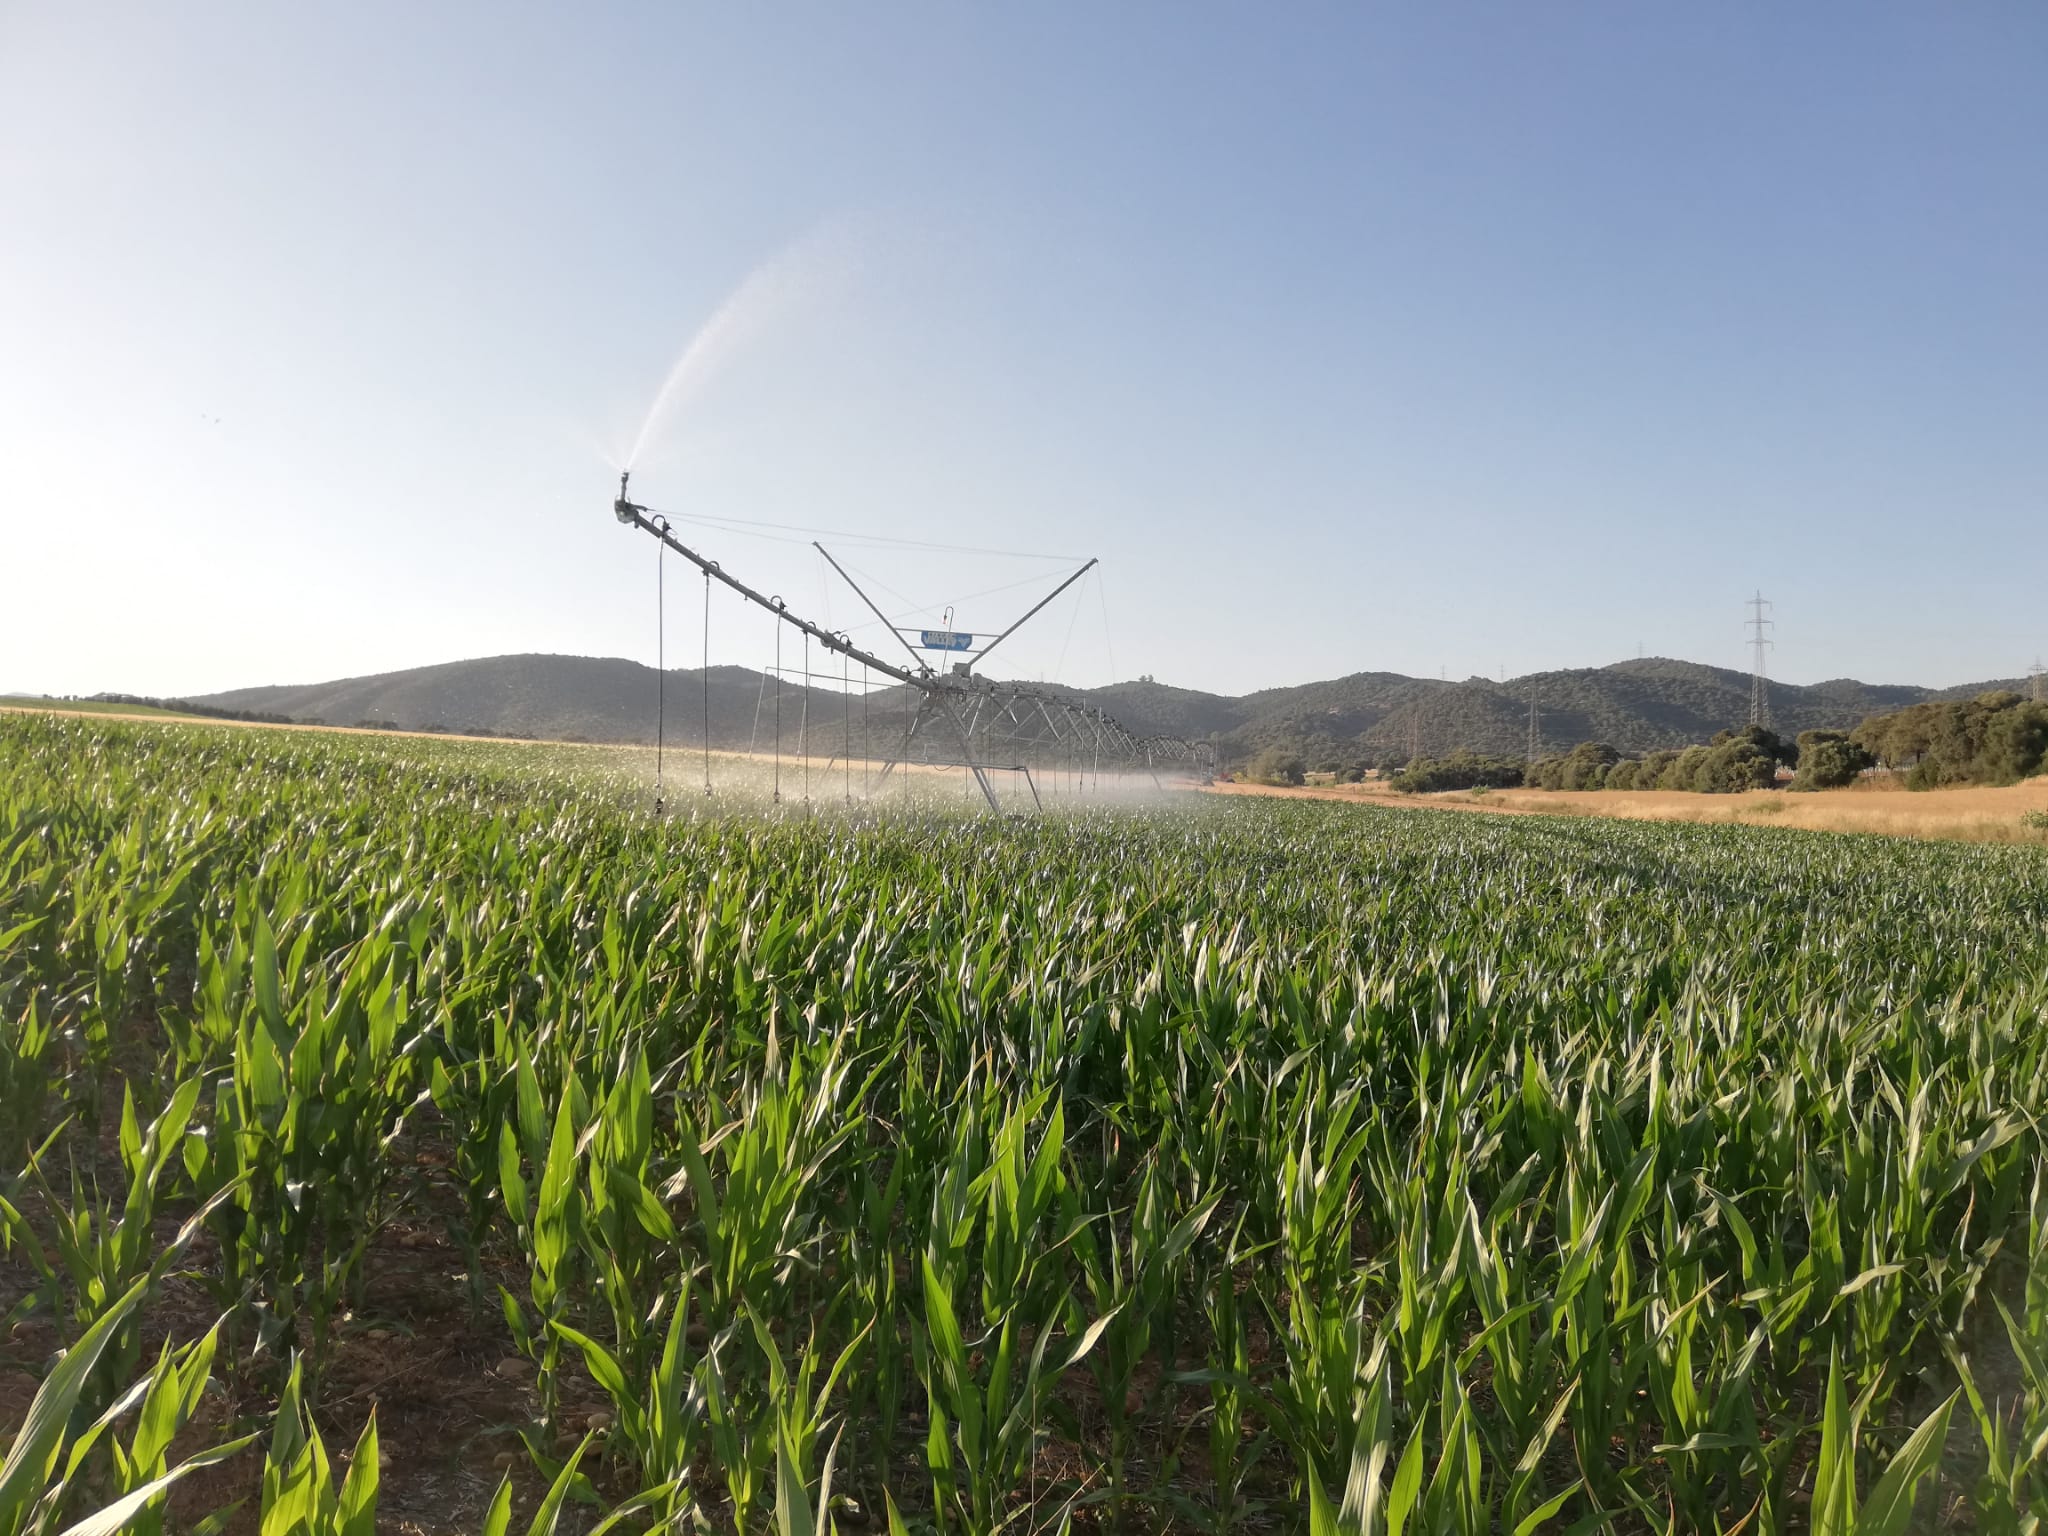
pixel 1250 1166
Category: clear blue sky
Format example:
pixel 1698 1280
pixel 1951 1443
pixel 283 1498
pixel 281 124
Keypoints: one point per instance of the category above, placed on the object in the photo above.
pixel 1408 337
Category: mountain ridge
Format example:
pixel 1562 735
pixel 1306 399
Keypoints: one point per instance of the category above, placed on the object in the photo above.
pixel 1637 705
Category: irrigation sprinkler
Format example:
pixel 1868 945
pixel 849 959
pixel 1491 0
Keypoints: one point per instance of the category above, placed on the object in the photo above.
pixel 960 718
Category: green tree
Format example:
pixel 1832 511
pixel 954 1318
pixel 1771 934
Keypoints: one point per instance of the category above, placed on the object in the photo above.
pixel 1735 763
pixel 1461 770
pixel 1586 765
pixel 1995 738
pixel 1683 771
pixel 1765 740
pixel 1651 770
pixel 1830 759
pixel 2015 744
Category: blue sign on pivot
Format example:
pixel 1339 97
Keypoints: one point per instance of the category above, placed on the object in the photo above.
pixel 945 640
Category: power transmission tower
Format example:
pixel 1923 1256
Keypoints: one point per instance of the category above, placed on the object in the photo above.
pixel 1759 643
pixel 1535 726
pixel 2039 674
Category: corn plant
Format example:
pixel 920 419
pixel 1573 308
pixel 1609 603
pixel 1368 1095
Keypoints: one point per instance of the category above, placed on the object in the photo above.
pixel 320 1086
pixel 1135 1281
pixel 104 1254
pixel 1887 1509
pixel 1236 1164
pixel 47 1467
pixel 300 1495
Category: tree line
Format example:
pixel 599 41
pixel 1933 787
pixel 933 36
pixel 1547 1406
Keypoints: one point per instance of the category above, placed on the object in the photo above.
pixel 192 707
pixel 1994 738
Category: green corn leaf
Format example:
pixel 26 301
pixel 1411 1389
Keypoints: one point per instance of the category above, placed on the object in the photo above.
pixel 604 1367
pixel 557 1187
pixel 637 1198
pixel 549 1515
pixel 698 1175
pixel 40 1439
pixel 1534 1521
pixel 118 1515
pixel 793 1513
pixel 1705 1442
pixel 645 1499
pixel 357 1510
pixel 1091 1337
pixel 1869 1277
pixel 511 1181
pixel 1407 1485
pixel 1834 1472
pixel 21 930
pixel 498 1518
pixel 1322 1519
pixel 264 979
pixel 1889 1509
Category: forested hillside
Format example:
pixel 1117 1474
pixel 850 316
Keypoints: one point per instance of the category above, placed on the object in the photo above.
pixel 1368 717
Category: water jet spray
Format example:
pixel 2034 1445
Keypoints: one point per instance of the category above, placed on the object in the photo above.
pixel 998 726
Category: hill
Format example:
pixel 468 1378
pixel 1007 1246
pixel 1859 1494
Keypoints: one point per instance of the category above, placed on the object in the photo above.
pixel 1637 706
pixel 555 698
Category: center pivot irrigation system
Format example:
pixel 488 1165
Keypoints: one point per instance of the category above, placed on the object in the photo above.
pixel 957 718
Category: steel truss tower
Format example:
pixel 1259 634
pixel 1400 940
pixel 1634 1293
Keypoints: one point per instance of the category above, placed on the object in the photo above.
pixel 1759 623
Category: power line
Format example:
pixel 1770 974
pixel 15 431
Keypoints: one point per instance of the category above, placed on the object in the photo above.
pixel 745 525
pixel 911 611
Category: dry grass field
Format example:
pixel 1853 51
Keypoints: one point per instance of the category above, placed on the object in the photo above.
pixel 1964 815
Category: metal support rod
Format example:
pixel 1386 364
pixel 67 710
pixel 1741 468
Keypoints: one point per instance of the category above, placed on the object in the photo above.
pixel 902 753
pixel 660 669
pixel 1055 592
pixel 635 516
pixel 988 791
pixel 921 664
pixel 706 679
